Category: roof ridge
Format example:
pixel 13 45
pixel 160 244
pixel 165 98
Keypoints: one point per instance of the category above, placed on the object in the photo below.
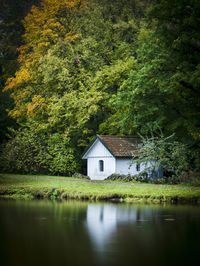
pixel 119 136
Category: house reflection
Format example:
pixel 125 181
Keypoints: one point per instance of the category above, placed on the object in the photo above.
pixel 103 221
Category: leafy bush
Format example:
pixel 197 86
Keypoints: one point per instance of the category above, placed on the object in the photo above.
pixel 118 177
pixel 81 176
pixel 129 178
pixel 162 152
pixel 31 152
pixel 169 180
pixel 143 178
pixel 192 178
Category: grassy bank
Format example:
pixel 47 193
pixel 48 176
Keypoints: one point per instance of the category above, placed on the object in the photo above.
pixel 27 188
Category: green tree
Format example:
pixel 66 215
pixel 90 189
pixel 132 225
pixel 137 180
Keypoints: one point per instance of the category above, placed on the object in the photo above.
pixel 160 152
pixel 165 87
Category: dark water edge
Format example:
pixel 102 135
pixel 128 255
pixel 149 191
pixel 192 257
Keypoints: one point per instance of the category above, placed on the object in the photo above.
pixel 43 232
pixel 113 198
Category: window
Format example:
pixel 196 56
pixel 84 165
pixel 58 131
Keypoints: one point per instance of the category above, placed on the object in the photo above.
pixel 101 165
pixel 138 167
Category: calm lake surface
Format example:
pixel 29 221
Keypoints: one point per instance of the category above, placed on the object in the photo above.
pixel 78 233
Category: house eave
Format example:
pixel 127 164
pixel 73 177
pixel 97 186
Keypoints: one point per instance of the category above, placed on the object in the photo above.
pixel 91 144
pixel 88 148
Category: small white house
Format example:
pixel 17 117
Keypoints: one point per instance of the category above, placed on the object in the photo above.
pixel 111 154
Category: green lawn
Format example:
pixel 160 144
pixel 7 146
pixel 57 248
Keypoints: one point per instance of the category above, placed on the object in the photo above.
pixel 14 186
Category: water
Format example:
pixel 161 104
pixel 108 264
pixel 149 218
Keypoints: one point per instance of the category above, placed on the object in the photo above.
pixel 79 233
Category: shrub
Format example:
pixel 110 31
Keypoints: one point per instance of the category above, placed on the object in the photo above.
pixel 143 178
pixel 125 178
pixel 162 152
pixel 28 151
pixel 81 176
pixel 192 178
pixel 188 178
pixel 169 180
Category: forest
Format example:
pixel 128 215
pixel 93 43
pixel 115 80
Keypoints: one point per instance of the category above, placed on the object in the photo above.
pixel 71 69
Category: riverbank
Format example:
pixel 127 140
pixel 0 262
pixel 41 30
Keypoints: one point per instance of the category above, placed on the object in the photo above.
pixel 43 187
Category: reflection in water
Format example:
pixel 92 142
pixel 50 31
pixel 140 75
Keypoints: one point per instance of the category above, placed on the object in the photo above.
pixel 78 233
pixel 101 222
pixel 135 235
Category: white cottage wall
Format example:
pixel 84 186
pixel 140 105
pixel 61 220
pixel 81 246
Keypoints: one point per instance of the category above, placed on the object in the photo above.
pixel 96 153
pixel 94 171
pixel 125 166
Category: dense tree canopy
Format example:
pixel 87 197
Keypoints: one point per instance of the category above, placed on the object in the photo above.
pixel 11 30
pixel 102 66
pixel 44 26
pixel 165 88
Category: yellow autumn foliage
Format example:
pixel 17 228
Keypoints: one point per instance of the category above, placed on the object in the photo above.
pixel 22 76
pixel 44 26
pixel 37 105
pixel 53 20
